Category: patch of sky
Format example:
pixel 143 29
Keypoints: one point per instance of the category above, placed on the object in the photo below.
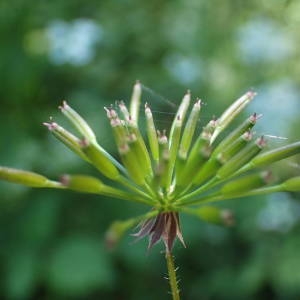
pixel 263 40
pixel 280 102
pixel 73 42
pixel 185 70
pixel 280 214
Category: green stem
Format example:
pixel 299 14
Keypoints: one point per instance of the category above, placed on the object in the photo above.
pixel 209 184
pixel 183 196
pixel 172 276
pixel 219 197
pixel 116 193
pixel 54 184
pixel 130 185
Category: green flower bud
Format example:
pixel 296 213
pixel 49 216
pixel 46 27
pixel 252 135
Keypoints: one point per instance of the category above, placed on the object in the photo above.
pixel 27 178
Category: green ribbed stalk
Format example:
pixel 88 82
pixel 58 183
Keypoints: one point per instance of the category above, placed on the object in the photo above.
pixel 172 276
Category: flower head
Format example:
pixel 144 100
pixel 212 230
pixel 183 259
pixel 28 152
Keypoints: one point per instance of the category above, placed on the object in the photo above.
pixel 174 171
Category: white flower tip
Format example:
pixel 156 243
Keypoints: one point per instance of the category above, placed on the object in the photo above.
pixel 261 142
pixel 251 94
pixel 51 126
pixel 64 105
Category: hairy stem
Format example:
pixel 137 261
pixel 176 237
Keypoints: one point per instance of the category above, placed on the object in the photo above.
pixel 172 276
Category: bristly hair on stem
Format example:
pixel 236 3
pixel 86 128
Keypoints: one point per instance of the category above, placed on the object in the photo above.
pixel 172 276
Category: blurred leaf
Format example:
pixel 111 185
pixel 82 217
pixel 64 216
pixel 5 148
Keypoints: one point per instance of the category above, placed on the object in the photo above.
pixel 79 266
pixel 285 271
pixel 22 274
pixel 39 222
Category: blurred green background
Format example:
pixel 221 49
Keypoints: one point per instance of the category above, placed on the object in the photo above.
pixel 90 53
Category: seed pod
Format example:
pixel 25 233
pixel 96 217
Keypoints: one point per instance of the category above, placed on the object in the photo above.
pixel 173 147
pixel 175 132
pixel 201 143
pixel 212 214
pixel 78 122
pixel 181 113
pixel 241 158
pixel 135 102
pixel 67 138
pixel 161 171
pixel 207 171
pixel 292 184
pixel 99 159
pixel 27 178
pixel 188 170
pixel 189 130
pixel 119 130
pixel 152 135
pixel 275 155
pixel 246 183
pixel 92 185
pixel 231 112
pixel 139 147
pixel 236 133
pixel 199 154
pixel 234 148
pixel 131 163
pixel 82 183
